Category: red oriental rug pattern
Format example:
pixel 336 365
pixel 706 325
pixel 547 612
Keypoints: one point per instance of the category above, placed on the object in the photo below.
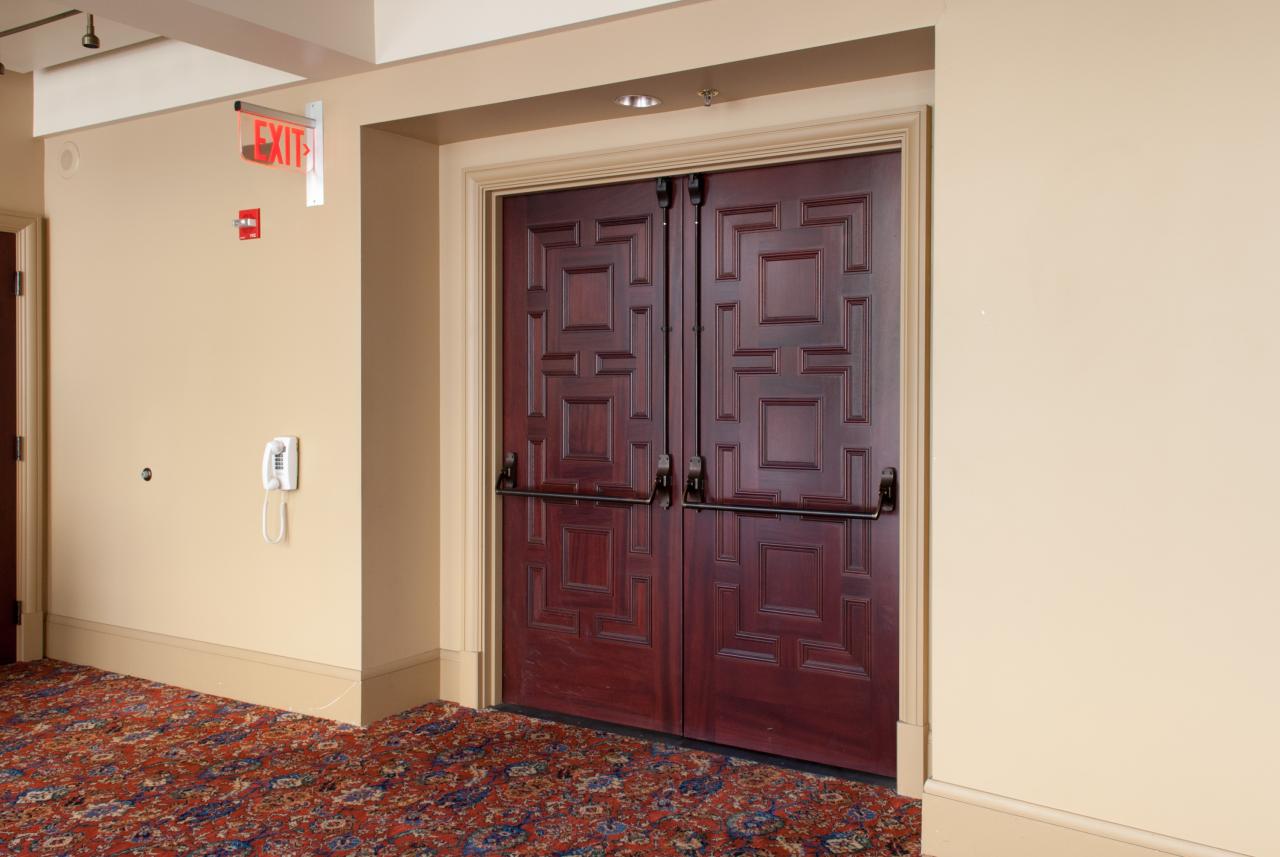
pixel 98 763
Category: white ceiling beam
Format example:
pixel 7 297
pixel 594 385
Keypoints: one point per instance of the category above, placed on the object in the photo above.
pixel 345 26
pixel 59 42
pixel 413 28
pixel 200 24
pixel 157 75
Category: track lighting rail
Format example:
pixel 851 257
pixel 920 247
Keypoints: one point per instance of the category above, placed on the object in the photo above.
pixel 22 28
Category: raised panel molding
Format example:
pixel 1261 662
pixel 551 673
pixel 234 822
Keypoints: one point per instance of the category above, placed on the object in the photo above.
pixel 851 360
pixel 535 463
pixel 540 614
pixel 856 491
pixel 640 518
pixel 542 239
pixel 791 287
pixel 791 579
pixel 637 232
pixel 544 364
pixel 586 558
pixel 852 655
pixel 727 479
pixel 635 624
pixel 635 364
pixel 731 223
pixel 732 361
pixel 790 434
pixel 731 640
pixel 853 215
pixel 586 298
pixel 586 428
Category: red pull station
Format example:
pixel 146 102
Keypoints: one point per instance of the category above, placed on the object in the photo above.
pixel 249 223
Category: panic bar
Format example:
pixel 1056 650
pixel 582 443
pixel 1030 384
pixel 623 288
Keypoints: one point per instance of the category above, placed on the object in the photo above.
pixel 661 487
pixel 886 501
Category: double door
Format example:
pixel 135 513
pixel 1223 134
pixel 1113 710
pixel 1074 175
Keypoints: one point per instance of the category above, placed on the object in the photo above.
pixel 700 425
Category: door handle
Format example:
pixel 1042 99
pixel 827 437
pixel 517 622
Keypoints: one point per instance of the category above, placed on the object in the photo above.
pixel 660 493
pixel 886 501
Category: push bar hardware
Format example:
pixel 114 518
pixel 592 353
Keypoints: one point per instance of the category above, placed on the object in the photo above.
pixel 660 493
pixel 886 501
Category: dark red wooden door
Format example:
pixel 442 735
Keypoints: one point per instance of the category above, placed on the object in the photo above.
pixel 773 633
pixel 791 624
pixel 591 611
pixel 8 467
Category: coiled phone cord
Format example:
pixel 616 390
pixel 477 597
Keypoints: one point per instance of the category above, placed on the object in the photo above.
pixel 266 502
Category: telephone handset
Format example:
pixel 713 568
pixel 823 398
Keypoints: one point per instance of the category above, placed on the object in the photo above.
pixel 280 464
pixel 279 473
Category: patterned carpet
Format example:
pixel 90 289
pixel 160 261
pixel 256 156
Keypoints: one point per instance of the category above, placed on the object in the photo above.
pixel 97 763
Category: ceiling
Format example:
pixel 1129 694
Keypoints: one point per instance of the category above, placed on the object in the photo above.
pixel 895 53
pixel 310 38
pixel 59 42
pixel 164 54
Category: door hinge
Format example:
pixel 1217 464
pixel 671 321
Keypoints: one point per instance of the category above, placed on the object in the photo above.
pixel 17 284
pixel 19 448
pixel 17 612
pixel 664 192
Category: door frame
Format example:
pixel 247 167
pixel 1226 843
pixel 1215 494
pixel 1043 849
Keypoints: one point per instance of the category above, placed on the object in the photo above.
pixel 28 230
pixel 906 131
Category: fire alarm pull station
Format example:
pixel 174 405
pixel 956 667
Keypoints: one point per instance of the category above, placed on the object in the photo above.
pixel 273 138
pixel 249 223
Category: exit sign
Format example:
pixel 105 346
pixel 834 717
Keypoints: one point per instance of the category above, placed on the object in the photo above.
pixel 273 138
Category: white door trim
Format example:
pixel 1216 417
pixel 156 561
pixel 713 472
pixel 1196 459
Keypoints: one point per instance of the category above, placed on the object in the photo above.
pixel 28 229
pixel 903 130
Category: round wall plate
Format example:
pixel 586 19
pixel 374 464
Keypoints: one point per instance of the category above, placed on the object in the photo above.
pixel 68 159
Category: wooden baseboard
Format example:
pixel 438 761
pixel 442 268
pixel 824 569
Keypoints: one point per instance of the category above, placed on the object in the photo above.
pixel 912 756
pixel 460 677
pixel 338 693
pixel 965 822
pixel 31 636
pixel 399 686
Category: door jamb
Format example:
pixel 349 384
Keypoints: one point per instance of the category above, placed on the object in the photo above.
pixel 484 186
pixel 28 230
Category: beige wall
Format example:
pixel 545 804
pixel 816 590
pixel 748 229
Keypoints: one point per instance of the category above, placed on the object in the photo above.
pixel 1102 366
pixel 21 157
pixel 1105 289
pixel 400 396
pixel 177 347
pixel 190 349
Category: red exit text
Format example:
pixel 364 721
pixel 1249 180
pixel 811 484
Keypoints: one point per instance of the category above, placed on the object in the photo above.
pixel 277 144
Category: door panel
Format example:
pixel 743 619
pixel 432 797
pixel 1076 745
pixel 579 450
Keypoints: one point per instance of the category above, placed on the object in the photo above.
pixel 591 616
pixel 768 632
pixel 8 467
pixel 791 626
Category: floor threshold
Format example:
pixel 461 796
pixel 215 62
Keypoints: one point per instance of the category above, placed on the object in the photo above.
pixel 705 746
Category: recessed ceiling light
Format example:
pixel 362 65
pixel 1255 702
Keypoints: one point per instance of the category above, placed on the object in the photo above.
pixel 638 101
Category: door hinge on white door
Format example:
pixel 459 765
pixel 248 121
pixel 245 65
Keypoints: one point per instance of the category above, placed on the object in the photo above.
pixel 18 448
pixel 17 612
pixel 17 284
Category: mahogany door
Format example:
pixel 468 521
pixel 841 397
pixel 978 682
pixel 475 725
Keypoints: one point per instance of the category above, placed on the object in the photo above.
pixel 591 610
pixel 775 633
pixel 791 623
pixel 8 467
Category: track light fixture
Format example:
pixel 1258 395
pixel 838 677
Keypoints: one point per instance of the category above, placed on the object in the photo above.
pixel 90 39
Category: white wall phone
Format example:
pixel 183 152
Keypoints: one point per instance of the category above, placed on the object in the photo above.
pixel 279 473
